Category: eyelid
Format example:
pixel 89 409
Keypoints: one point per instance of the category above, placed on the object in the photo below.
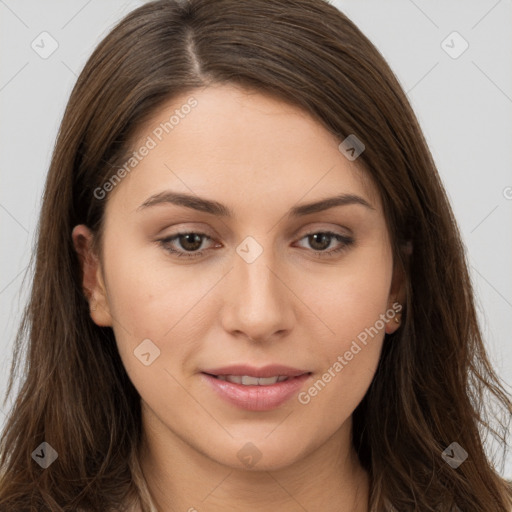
pixel 319 227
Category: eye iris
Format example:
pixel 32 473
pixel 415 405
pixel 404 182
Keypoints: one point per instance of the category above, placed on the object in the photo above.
pixel 322 237
pixel 192 241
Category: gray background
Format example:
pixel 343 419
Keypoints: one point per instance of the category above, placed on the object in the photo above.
pixel 464 105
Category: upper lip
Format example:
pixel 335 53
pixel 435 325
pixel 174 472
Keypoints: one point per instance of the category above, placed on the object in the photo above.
pixel 270 370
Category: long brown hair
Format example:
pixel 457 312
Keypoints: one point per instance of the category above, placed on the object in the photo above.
pixel 434 382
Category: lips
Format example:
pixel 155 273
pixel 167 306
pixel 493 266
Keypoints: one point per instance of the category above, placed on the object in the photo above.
pixel 256 389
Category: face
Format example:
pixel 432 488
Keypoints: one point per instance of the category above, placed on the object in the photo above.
pixel 211 259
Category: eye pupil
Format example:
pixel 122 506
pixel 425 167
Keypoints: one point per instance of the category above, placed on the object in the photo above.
pixel 313 239
pixel 190 238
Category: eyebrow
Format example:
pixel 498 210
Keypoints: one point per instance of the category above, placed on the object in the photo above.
pixel 220 210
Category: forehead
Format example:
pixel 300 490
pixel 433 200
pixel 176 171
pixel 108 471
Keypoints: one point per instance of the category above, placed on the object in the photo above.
pixel 226 140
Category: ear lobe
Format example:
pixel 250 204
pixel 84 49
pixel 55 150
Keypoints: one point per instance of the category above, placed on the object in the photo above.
pixel 397 298
pixel 92 281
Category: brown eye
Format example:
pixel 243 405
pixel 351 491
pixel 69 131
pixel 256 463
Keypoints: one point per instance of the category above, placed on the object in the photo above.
pixel 319 241
pixel 190 241
pixel 187 245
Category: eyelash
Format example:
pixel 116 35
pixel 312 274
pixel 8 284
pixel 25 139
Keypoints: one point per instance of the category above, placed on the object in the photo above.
pixel 165 243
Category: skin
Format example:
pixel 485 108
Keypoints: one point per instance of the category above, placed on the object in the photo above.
pixel 260 157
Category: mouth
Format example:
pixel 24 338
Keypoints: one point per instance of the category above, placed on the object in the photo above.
pixel 247 371
pixel 248 380
pixel 256 392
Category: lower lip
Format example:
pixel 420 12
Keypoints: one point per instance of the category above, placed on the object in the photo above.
pixel 257 398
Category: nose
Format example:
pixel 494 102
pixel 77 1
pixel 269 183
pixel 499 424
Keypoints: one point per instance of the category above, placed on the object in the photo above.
pixel 258 303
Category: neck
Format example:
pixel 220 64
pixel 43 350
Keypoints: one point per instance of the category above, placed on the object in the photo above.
pixel 180 478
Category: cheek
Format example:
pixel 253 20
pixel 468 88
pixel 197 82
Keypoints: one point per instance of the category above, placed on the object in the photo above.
pixel 148 293
pixel 351 297
pixel 153 330
pixel 351 306
pixel 349 356
pixel 152 299
pixel 344 381
pixel 355 318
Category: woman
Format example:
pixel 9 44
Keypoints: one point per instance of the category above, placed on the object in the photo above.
pixel 250 290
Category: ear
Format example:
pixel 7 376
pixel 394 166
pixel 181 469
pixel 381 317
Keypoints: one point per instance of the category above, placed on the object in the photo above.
pixel 397 294
pixel 92 277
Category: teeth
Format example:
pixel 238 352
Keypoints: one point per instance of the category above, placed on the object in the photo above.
pixel 247 380
pixel 255 381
